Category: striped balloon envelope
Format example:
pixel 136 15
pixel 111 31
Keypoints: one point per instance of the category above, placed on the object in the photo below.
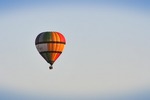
pixel 50 46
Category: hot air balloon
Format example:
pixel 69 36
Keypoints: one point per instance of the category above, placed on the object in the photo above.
pixel 50 46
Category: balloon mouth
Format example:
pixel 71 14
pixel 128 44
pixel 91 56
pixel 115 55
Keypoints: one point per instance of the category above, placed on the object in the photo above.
pixel 51 65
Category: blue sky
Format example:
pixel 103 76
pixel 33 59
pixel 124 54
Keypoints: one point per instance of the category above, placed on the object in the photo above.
pixel 138 4
pixel 106 56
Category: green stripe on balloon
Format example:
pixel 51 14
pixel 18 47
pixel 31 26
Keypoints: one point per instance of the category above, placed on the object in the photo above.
pixel 44 55
pixel 46 36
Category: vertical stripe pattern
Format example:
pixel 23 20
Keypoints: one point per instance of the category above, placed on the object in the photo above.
pixel 50 45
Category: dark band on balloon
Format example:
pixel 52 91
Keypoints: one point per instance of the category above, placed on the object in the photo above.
pixel 50 42
pixel 50 52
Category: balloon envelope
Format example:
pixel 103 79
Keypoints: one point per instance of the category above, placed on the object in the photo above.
pixel 50 45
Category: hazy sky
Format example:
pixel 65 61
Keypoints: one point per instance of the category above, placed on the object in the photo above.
pixel 106 55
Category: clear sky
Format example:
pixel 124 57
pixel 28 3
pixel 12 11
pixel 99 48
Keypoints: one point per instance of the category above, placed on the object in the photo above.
pixel 106 56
